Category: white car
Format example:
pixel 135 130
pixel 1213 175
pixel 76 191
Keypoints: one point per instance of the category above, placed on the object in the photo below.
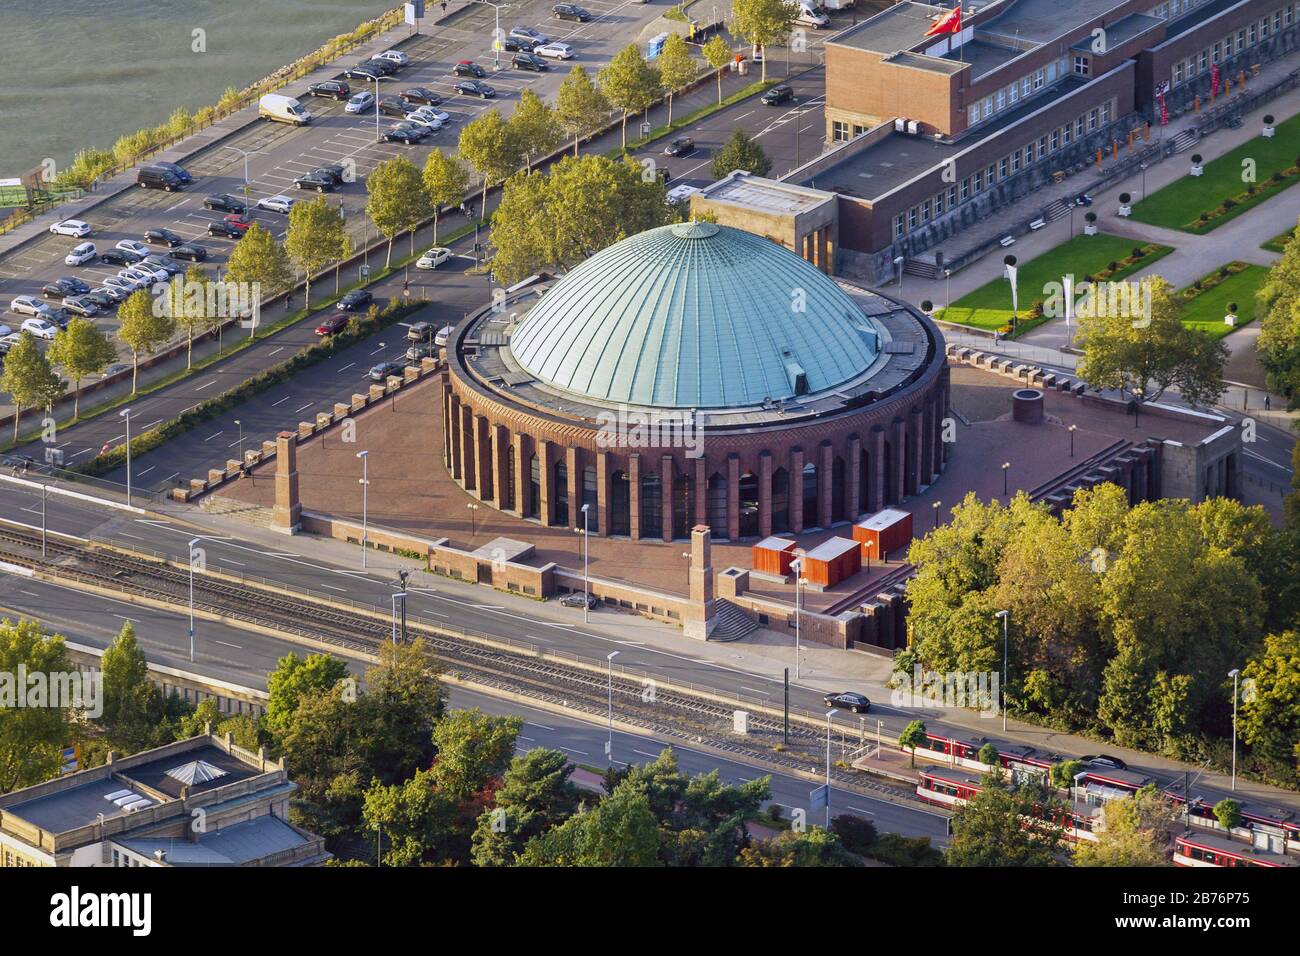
pixel 811 17
pixel 81 254
pixel 116 293
pixel 122 284
pixel 150 273
pixel 9 341
pixel 5 330
pixel 433 258
pixel 360 102
pixel 130 279
pixel 276 204
pixel 556 51
pixel 41 328
pixel 26 305
pixel 424 119
pixel 393 56
pixel 71 227
pixel 134 246
pixel 442 116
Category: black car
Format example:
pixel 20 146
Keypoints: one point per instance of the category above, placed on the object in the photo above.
pixel 1104 760
pixel 469 68
pixel 578 599
pixel 119 257
pixel 855 702
pixel 166 263
pixel 356 301
pixel 334 170
pixel 163 237
pixel 61 288
pixel 190 252
pixel 385 67
pixel 320 181
pixel 101 298
pixel 178 171
pixel 778 94
pixel 570 11
pixel 224 202
pixel 682 146
pixel 520 45
pixel 529 61
pixel 393 106
pixel 331 89
pixel 422 95
pixel 364 71
pixel 476 88
pixel 225 229
pixel 59 316
pixel 407 133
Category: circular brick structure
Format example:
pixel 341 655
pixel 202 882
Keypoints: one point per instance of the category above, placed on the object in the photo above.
pixel 1027 406
pixel 694 375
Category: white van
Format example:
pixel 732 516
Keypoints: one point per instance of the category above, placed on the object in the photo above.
pixel 283 109
pixel 836 4
pixel 810 16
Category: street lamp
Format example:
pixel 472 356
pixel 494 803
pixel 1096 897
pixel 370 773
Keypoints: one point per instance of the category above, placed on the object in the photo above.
pixel 1143 167
pixel 126 413
pixel 193 542
pixel 365 504
pixel 829 715
pixel 609 743
pixel 1004 615
pixel 496 34
pixel 947 289
pixel 936 506
pixel 866 546
pixel 797 566
pixel 377 137
pixel 246 153
pixel 1073 429
pixel 472 509
pixel 586 562
pixel 241 442
pixel 1006 466
pixel 1234 674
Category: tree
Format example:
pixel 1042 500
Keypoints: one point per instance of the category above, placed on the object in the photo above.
pixel 719 54
pixel 676 67
pixel 763 22
pixel 989 755
pixel 813 847
pixel 28 378
pixel 403 702
pixel 990 829
pixel 472 748
pixel 32 739
pixel 130 702
pixel 1063 773
pixel 1144 356
pixel 1278 301
pixel 1135 831
pixel 913 736
pixel 630 83
pixel 620 831
pixel 445 181
pixel 534 796
pixel 1228 812
pixel 80 350
pixel 396 199
pixel 1270 711
pixel 142 327
pixel 186 300
pixel 488 146
pixel 413 820
pixel 534 127
pixel 316 237
pixel 322 744
pixel 580 105
pixel 259 260
pixel 293 678
pixel 740 152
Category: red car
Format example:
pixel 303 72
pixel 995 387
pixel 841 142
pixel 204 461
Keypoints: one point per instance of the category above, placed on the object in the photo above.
pixel 335 323
pixel 239 222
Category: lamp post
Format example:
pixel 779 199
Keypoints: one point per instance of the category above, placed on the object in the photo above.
pixel 797 566
pixel 193 542
pixel 867 546
pixel 241 442
pixel 947 289
pixel 1143 167
pixel 245 153
pixel 44 494
pixel 586 561
pixel 829 715
pixel 126 413
pixel 609 742
pixel 496 34
pixel 1004 615
pixel 1073 429
pixel 687 556
pixel 1006 466
pixel 377 137
pixel 473 508
pixel 1234 674
pixel 365 504
pixel 936 506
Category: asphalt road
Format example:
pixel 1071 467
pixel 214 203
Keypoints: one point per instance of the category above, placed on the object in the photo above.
pixel 245 658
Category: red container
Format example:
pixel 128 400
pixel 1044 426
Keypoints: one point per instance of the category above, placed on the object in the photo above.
pixel 832 561
pixel 773 556
pixel 884 531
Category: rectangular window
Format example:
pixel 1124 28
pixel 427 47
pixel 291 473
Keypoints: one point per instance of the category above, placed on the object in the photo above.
pixel 1013 93
pixel 1092 120
pixel 1066 135
pixel 1038 79
pixel 1205 60
pixel 1081 65
pixel 925 211
pixel 1241 40
pixel 1253 34
pixel 1002 169
pixel 991 175
pixel 1001 100
pixel 1026 87
pixel 839 131
pixel 1106 112
pixel 965 189
pixel 858 130
pixel 898 226
pixel 1180 73
pixel 1015 161
pixel 1042 146
pixel 988 106
pixel 911 219
pixel 1216 54
pixel 974 115
pixel 1078 127
pixel 1056 139
pixel 978 182
pixel 938 205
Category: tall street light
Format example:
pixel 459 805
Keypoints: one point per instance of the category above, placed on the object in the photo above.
pixel 936 506
pixel 1234 674
pixel 829 715
pixel 1073 429
pixel 377 137
pixel 241 442
pixel 365 503
pixel 586 561
pixel 496 34
pixel 797 567
pixel 245 153
pixel 1004 615
pixel 473 509
pixel 193 556
pixel 1006 466
pixel 126 413
pixel 609 743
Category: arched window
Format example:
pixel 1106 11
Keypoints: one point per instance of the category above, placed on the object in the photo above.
pixel 652 506
pixel 620 504
pixel 780 501
pixel 534 488
pixel 864 481
pixel 561 492
pixel 589 498
pixel 890 492
pixel 811 518
pixel 683 506
pixel 508 500
pixel 717 504
pixel 748 505
pixel 837 490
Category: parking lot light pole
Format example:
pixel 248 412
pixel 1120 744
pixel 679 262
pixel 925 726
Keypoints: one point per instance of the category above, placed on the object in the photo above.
pixel 365 502
pixel 376 109
pixel 126 413
pixel 473 508
pixel 1004 615
pixel 829 715
pixel 586 561
pixel 609 743
pixel 1073 429
pixel 797 567
pixel 241 442
pixel 193 542
pixel 246 153
pixel 496 33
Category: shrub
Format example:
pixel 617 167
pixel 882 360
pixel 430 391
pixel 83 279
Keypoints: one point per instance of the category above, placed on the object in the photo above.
pixel 1138 252
pixel 1204 217
pixel 1225 271
pixel 1112 266
pixel 927 306
pixel 855 833
pixel 1268 119
pixel 1091 217
pixel 1232 308
pixel 1250 190
pixel 1125 199
pixel 1196 159
pixel 1229 204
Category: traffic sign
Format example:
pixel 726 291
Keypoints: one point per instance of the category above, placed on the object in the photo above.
pixel 820 798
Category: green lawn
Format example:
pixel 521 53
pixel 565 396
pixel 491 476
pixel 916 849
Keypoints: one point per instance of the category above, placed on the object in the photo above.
pixel 1179 205
pixel 1207 310
pixel 1278 243
pixel 989 306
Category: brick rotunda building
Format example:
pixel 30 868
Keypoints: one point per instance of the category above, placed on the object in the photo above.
pixel 694 374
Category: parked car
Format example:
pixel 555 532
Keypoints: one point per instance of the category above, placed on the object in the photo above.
pixel 417 352
pixel 418 331
pixel 121 284
pixel 1104 760
pixel 810 16
pixel 61 288
pixel 335 323
pixel 225 230
pixel 356 301
pixel 781 93
pixel 114 369
pixel 570 11
pixel 424 119
pixel 163 237
pixel 360 102
pixel 224 202
pixel 578 599
pixel 520 44
pixel 82 254
pixel 281 204
pixel 336 171
pixel 190 252
pixel 529 61
pixel 422 95
pixel 120 257
pixel 430 113
pixel 682 146
pixel 555 50
pixel 330 89
pixel 317 180
pixel 239 222
pixel 851 700
pixel 396 57
pixel 180 172
pixel 82 305
pixel 155 177
pixel 529 33
pixel 9 341
pixel 26 305
pixel 407 133
pixel 103 297
pixel 167 264
pixel 58 315
pixel 443 336
pixel 134 246
pixel 364 71
pixel 393 106
pixel 469 68
pixel 475 88
pixel 380 372
pixel 433 258
pixel 149 272
pixel 384 67
pixel 71 227
pixel 41 328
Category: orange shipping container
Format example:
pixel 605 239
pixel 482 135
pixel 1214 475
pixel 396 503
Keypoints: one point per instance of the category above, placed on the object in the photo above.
pixel 884 531
pixel 831 562
pixel 773 556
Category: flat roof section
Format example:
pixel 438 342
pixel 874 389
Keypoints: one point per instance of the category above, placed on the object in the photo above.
pixel 919 61
pixel 1041 21
pixel 235 845
pixel 885 165
pixel 66 810
pixel 899 27
pixel 1121 32
pixel 154 774
pixel 981 55
pixel 766 194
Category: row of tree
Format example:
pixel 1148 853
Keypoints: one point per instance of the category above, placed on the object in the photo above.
pixel 1279 335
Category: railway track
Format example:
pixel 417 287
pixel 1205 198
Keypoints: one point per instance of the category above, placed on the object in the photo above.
pixel 672 714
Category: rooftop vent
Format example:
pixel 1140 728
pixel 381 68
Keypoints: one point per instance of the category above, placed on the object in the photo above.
pixel 196 771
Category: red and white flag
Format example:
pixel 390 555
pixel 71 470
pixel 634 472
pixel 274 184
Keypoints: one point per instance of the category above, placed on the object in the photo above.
pixel 949 22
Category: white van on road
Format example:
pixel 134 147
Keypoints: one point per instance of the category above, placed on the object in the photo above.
pixel 283 109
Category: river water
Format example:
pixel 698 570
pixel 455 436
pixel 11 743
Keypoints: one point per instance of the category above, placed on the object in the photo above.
pixel 77 73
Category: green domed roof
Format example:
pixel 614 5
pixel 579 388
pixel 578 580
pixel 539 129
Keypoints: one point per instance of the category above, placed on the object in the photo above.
pixel 695 315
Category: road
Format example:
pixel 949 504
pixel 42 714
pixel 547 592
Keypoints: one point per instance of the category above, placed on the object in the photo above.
pixel 245 658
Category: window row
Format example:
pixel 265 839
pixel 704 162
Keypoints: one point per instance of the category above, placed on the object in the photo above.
pixel 1248 36
pixel 1021 89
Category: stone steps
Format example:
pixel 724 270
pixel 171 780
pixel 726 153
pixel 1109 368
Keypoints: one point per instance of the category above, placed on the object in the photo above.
pixel 733 623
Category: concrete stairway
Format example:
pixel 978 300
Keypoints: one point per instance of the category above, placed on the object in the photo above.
pixel 733 623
